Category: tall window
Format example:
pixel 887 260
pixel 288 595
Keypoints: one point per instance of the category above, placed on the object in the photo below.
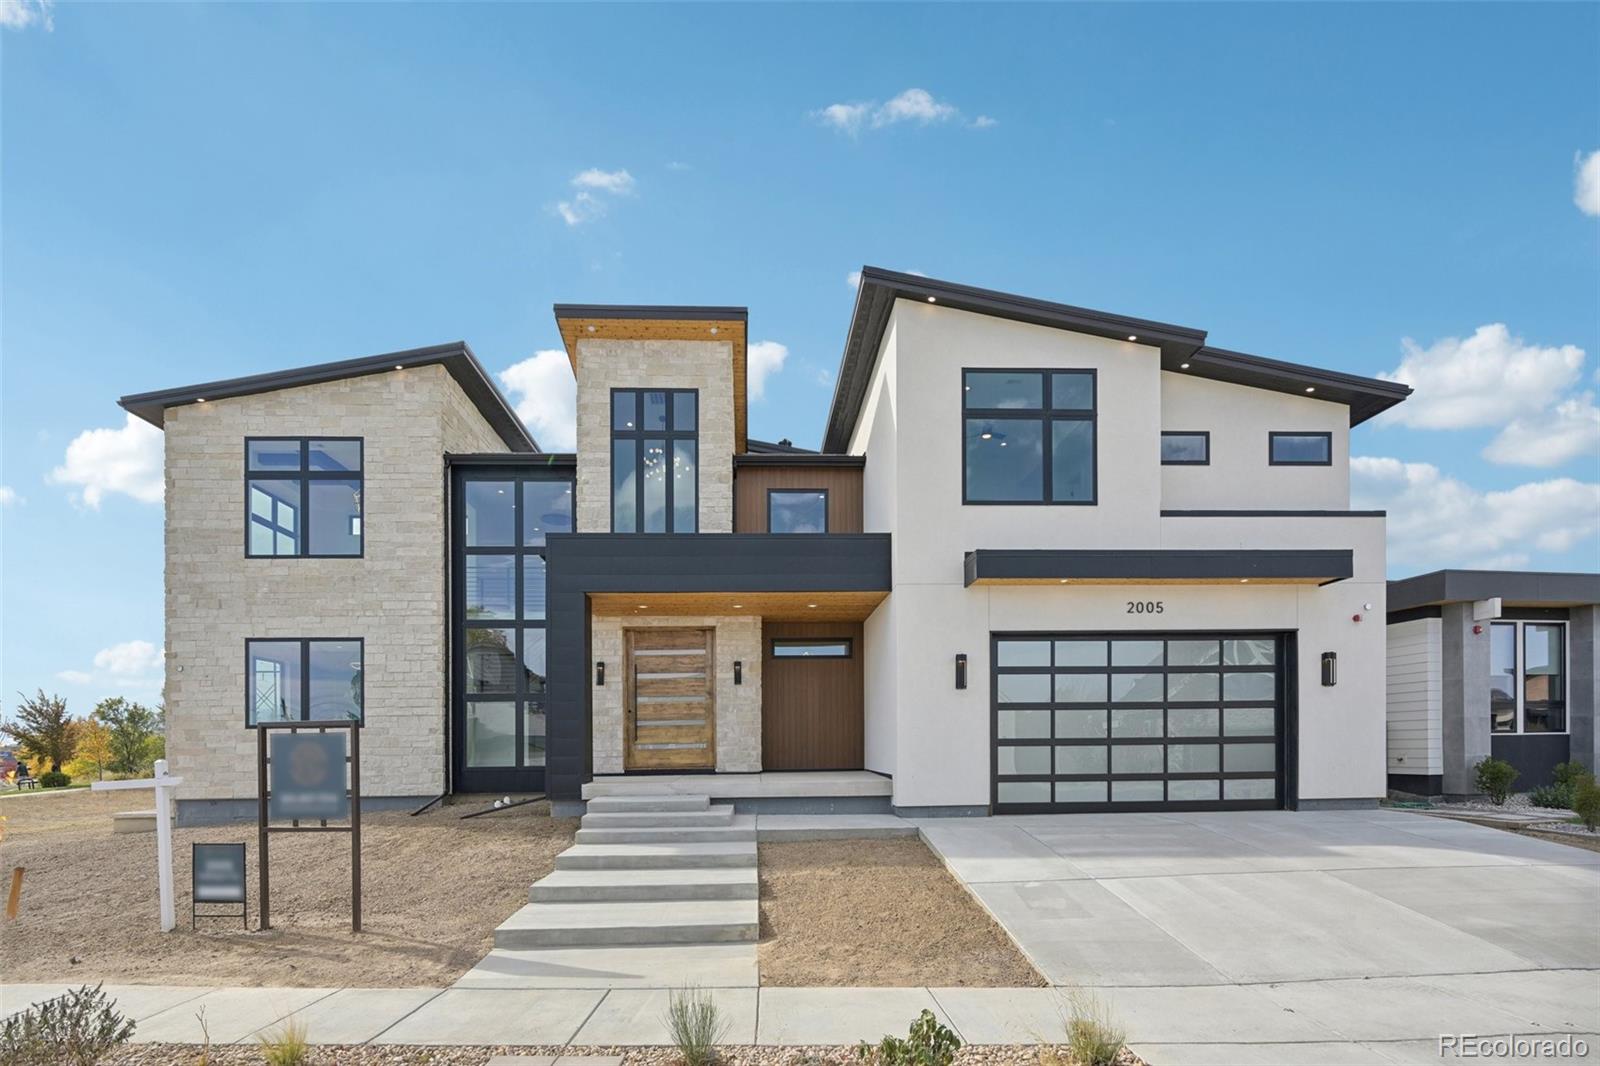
pixel 1528 677
pixel 303 496
pixel 303 681
pixel 505 523
pixel 1029 436
pixel 655 476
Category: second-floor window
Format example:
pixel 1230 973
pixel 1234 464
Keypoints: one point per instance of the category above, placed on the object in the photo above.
pixel 303 496
pixel 797 510
pixel 1300 449
pixel 1180 448
pixel 655 462
pixel 1029 436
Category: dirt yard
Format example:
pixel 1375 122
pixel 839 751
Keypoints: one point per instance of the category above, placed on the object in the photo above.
pixel 876 913
pixel 433 889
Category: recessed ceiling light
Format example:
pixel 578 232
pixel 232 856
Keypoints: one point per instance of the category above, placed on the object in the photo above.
pixel 644 607
pixel 591 329
pixel 1183 366
pixel 1244 581
pixel 985 435
pixel 1063 581
pixel 714 331
pixel 399 366
pixel 738 606
pixel 199 399
pixel 1133 336
pixel 1311 388
pixel 810 605
pixel 933 299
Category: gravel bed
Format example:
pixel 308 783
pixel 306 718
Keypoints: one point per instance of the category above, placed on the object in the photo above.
pixel 1566 828
pixel 1516 803
pixel 737 1055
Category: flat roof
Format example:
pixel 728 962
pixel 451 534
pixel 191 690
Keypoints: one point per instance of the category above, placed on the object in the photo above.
pixel 455 357
pixel 1522 588
pixel 1183 348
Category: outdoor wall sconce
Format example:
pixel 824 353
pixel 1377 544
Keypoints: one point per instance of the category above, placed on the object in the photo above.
pixel 1330 668
pixel 738 672
pixel 961 670
pixel 599 674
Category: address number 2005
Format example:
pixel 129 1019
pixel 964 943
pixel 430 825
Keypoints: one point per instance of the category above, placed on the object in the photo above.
pixel 1146 607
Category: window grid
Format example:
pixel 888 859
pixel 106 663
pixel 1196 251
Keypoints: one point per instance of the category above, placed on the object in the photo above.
pixel 669 436
pixel 271 673
pixel 304 476
pixel 1519 679
pixel 1047 416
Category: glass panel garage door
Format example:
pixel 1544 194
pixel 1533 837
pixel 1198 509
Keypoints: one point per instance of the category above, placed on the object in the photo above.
pixel 1095 721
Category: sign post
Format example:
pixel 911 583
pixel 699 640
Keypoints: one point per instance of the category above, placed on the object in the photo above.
pixel 164 784
pixel 302 777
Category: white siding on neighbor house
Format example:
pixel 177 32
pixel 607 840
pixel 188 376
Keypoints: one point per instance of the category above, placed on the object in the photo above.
pixel 1415 677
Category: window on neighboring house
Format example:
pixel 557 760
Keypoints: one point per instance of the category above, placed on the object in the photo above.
pixel 654 460
pixel 303 496
pixel 1185 449
pixel 303 680
pixel 811 649
pixel 797 510
pixel 1528 677
pixel 1300 449
pixel 1029 436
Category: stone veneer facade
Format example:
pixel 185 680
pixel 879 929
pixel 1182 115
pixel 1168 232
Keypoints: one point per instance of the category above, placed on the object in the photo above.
pixel 604 365
pixel 738 707
pixel 394 596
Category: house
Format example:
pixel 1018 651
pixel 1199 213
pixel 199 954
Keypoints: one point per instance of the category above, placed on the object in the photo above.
pixel 1047 558
pixel 1491 662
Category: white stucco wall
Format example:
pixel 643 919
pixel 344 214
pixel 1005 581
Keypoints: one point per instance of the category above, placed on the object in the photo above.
pixel 1239 420
pixel 911 434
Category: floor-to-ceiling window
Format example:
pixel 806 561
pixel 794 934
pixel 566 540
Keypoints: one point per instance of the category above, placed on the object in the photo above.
pixel 1528 677
pixel 502 515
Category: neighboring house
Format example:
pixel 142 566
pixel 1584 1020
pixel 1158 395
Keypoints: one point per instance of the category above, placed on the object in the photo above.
pixel 1491 662
pixel 1047 559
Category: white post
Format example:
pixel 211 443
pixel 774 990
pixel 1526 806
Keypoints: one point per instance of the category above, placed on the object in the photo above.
pixel 169 914
pixel 163 784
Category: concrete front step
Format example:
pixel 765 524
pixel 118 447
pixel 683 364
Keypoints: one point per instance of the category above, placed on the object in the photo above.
pixel 743 827
pixel 584 886
pixel 663 802
pixel 541 925
pixel 657 856
pixel 718 814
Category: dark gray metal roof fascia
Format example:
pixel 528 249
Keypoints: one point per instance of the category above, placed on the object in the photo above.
pixel 1522 587
pixel 456 358
pixel 686 312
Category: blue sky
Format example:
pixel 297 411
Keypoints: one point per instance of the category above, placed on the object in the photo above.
pixel 193 192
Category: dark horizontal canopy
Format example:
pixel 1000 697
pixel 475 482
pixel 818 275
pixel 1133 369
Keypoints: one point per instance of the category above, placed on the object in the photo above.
pixel 1203 567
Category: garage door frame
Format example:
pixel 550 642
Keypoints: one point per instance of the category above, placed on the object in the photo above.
pixel 1287 724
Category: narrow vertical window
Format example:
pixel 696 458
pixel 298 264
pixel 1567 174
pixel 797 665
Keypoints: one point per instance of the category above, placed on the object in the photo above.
pixel 655 470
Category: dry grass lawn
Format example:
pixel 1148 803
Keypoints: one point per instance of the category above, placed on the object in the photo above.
pixel 433 889
pixel 876 913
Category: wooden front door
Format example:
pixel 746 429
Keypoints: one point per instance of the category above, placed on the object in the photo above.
pixel 669 697
pixel 812 696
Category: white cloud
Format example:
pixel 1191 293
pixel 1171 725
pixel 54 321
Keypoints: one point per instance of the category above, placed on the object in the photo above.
pixel 912 105
pixel 1487 379
pixel 764 359
pixel 983 122
pixel 853 279
pixel 615 182
pixel 546 398
pixel 1550 438
pixel 131 658
pixel 1438 521
pixel 1586 183
pixel 580 209
pixel 74 677
pixel 20 14
pixel 9 497
pixel 679 165
pixel 101 461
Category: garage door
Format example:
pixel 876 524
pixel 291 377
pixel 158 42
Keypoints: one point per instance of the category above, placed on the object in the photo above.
pixel 1169 721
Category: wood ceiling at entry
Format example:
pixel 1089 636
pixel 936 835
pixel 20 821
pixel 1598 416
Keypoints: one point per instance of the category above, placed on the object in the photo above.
pixel 731 331
pixel 778 606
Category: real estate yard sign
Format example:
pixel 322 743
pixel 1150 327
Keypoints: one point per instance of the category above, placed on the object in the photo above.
pixel 307 778
pixel 309 772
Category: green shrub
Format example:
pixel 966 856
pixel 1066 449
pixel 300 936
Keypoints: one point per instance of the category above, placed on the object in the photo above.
pixel 1570 773
pixel 696 1025
pixel 54 779
pixel 1494 779
pixel 76 1029
pixel 1586 803
pixel 929 1044
pixel 1558 796
pixel 287 1046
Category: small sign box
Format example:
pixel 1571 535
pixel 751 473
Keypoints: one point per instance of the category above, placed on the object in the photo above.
pixel 218 877
pixel 307 778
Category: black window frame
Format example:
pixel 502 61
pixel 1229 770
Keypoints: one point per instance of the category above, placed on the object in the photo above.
pixel 305 668
pixel 639 435
pixel 1046 417
pixel 1203 434
pixel 1272 440
pixel 812 642
pixel 826 503
pixel 305 476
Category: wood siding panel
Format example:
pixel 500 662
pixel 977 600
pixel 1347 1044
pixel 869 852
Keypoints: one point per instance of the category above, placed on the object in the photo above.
pixel 750 485
pixel 1415 697
pixel 811 709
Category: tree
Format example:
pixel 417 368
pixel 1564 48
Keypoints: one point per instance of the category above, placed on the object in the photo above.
pixel 130 725
pixel 93 750
pixel 43 727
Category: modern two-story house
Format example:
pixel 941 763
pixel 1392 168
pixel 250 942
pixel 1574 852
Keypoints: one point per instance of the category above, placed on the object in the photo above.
pixel 1046 559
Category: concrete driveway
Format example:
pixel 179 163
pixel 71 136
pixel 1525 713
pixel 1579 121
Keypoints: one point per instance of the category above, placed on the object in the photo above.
pixel 1280 937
